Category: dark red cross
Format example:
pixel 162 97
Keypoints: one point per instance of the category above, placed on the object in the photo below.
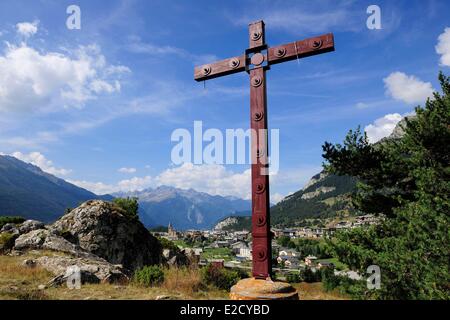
pixel 257 59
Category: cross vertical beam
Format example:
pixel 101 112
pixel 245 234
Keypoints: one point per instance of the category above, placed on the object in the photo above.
pixel 261 248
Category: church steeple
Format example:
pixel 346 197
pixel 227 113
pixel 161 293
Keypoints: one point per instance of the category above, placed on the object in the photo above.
pixel 171 231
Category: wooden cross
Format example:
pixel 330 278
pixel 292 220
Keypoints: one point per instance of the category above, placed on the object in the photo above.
pixel 257 59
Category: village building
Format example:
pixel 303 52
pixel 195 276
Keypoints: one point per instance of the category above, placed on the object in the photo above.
pixel 288 261
pixel 172 234
pixel 288 233
pixel 246 253
pixel 289 253
pixel 221 244
pixel 310 260
pixel 325 264
pixel 218 263
pixel 241 235
pixel 237 246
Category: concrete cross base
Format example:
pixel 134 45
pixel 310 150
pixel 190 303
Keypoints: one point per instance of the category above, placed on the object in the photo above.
pixel 258 289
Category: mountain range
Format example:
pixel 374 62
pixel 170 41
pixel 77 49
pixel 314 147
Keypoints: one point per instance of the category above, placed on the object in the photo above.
pixel 323 196
pixel 26 190
pixel 185 209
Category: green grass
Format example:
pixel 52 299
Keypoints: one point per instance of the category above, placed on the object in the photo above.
pixel 10 219
pixel 217 253
pixel 330 201
pixel 181 243
pixel 19 282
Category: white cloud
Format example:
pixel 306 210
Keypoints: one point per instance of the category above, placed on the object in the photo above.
pixel 302 21
pixel 213 179
pixel 382 127
pixel 99 86
pixel 27 29
pixel 127 170
pixel 362 105
pixel 136 183
pixel 406 88
pixel 137 46
pixel 303 18
pixel 161 101
pixel 38 159
pixel 276 197
pixel 31 80
pixel 443 47
pixel 95 187
pixel 217 180
pixel 34 141
pixel 133 184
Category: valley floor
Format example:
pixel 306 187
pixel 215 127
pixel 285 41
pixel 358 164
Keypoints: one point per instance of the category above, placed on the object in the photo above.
pixel 20 282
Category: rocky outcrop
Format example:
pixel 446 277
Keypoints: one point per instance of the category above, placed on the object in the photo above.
pixel 318 191
pixel 102 229
pixel 181 257
pixel 11 231
pixel 31 240
pixel 97 237
pixel 317 178
pixel 44 239
pixel 30 225
pixel 57 243
pixel 399 130
pixel 91 270
pixel 225 223
pixel 11 228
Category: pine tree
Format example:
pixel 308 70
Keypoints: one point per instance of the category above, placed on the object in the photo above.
pixel 406 180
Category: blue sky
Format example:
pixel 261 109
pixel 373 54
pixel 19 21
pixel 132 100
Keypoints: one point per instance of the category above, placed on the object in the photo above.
pixel 97 106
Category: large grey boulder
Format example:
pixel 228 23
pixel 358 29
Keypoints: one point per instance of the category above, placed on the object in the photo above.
pixel 91 270
pixel 57 243
pixel 178 260
pixel 44 239
pixel 103 229
pixel 31 240
pixel 30 225
pixel 97 238
pixel 10 227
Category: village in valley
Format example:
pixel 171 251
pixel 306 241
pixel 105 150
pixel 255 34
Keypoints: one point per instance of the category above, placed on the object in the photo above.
pixel 233 248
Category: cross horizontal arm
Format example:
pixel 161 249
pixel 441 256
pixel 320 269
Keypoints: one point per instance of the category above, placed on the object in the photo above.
pixel 301 49
pixel 220 68
pixel 278 54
